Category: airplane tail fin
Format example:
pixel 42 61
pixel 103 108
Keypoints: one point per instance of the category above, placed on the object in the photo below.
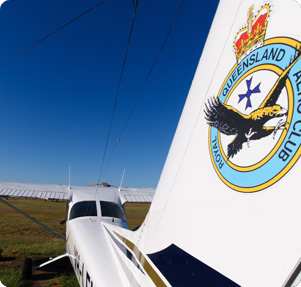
pixel 234 220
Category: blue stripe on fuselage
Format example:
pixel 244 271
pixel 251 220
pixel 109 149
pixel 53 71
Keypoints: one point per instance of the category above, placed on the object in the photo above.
pixel 126 251
pixel 182 269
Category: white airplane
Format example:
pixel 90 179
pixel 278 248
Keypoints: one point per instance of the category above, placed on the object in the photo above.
pixel 227 207
pixel 88 208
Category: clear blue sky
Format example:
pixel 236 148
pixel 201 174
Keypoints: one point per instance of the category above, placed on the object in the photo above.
pixel 56 99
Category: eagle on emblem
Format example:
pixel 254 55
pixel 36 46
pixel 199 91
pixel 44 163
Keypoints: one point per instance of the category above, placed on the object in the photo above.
pixel 230 121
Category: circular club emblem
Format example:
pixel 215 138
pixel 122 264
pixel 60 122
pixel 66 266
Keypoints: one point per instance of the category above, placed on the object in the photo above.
pixel 255 121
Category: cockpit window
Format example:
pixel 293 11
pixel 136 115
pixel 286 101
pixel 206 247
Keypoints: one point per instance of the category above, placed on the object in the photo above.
pixel 111 209
pixel 83 208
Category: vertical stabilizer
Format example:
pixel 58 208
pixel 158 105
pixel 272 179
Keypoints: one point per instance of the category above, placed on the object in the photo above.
pixel 228 197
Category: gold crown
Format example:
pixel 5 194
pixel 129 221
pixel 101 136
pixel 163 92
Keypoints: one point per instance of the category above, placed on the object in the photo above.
pixel 252 36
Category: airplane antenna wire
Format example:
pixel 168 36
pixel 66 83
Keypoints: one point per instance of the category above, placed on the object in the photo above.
pixel 118 89
pixel 53 32
pixel 144 84
pixel 195 123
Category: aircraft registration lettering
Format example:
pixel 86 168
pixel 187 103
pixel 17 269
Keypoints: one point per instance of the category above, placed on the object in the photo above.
pixel 89 282
pixel 79 268
pixel 254 122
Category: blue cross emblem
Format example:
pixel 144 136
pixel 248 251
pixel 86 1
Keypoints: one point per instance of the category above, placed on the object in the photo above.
pixel 249 93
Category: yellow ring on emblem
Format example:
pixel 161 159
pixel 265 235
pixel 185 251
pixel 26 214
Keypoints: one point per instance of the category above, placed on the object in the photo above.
pixel 278 40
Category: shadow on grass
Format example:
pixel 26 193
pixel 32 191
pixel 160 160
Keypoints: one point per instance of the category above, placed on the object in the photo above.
pixel 60 266
pixel 49 272
pixel 4 259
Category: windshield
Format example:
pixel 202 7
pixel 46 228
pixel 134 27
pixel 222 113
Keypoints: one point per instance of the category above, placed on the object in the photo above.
pixel 111 209
pixel 83 208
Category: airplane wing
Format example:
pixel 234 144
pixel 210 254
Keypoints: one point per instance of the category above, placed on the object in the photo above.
pixel 137 194
pixel 29 190
pixel 62 192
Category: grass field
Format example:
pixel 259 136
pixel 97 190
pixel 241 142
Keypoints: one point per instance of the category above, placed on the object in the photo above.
pixel 21 238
